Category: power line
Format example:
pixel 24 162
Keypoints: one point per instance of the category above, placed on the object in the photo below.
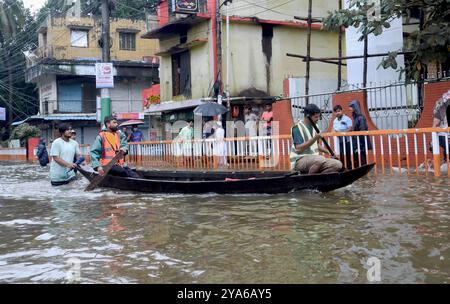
pixel 19 96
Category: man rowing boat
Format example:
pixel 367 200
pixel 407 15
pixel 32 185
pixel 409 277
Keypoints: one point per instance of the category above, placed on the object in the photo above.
pixel 305 153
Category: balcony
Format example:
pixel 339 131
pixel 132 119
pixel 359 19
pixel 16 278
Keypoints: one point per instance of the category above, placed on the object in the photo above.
pixel 177 22
pixel 35 56
pixel 44 52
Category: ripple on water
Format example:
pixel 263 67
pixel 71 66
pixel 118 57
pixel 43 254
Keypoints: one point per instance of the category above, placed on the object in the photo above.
pixel 306 237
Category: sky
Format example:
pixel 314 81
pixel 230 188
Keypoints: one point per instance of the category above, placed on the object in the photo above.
pixel 34 5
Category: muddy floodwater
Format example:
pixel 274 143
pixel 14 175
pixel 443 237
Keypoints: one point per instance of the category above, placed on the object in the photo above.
pixel 63 235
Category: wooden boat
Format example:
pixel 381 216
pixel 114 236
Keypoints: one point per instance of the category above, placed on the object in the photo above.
pixel 228 182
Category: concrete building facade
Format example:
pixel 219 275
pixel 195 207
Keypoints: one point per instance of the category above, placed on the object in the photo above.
pixel 254 55
pixel 63 68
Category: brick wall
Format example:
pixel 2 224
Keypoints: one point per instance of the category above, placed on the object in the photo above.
pixel 15 154
pixel 433 92
pixel 344 99
pixel 282 113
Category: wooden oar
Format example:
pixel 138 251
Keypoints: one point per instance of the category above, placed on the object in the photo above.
pixel 323 139
pixel 99 178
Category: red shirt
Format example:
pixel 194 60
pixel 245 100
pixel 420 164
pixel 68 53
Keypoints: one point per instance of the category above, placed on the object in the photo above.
pixel 267 116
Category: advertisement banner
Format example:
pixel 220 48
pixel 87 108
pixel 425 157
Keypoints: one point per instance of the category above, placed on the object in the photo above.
pixel 99 108
pixel 127 116
pixel 104 78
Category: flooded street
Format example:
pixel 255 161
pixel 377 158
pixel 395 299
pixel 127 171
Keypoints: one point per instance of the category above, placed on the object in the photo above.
pixel 306 237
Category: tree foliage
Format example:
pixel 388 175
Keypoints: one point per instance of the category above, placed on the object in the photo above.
pixel 16 32
pixel 24 132
pixel 127 9
pixel 430 42
pixel 133 9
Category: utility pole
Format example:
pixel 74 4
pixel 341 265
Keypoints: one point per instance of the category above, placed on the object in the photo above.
pixel 219 49
pixel 106 57
pixel 340 52
pixel 308 52
pixel 227 87
pixel 366 52
pixel 10 94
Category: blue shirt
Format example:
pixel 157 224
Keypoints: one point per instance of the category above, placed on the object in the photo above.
pixel 136 136
pixel 343 124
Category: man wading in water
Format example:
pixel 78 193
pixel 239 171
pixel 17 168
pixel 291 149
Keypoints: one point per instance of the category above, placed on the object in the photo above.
pixel 63 152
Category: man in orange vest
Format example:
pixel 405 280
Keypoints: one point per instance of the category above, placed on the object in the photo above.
pixel 107 143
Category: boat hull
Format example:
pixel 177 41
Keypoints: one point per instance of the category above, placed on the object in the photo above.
pixel 231 182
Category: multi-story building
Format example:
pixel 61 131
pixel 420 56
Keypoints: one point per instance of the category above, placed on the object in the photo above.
pixel 254 51
pixel 63 68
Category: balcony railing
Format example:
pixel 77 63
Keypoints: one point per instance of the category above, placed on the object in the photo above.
pixel 44 51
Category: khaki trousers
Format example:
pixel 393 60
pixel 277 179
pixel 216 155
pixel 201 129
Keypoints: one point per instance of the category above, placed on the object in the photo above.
pixel 312 164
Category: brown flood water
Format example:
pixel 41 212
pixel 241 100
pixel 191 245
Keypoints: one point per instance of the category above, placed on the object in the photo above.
pixel 306 237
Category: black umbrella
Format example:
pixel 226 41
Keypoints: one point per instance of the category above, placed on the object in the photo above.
pixel 210 109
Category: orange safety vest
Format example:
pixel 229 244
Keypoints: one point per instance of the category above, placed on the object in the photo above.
pixel 110 145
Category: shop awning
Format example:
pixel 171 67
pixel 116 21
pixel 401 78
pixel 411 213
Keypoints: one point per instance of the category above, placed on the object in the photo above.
pixel 174 105
pixel 183 46
pixel 175 26
pixel 65 117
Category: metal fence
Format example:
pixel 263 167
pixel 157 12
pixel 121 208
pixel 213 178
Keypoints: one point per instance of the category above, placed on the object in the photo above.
pixel 323 101
pixel 411 151
pixel 393 105
pixel 246 153
pixel 420 152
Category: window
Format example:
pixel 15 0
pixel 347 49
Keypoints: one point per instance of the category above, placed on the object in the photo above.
pixel 44 39
pixel 181 74
pixel 127 41
pixel 79 38
pixel 183 36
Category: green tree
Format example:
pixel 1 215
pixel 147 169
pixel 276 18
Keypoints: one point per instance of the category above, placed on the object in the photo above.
pixel 18 97
pixel 133 9
pixel 24 132
pixel 429 43
pixel 125 9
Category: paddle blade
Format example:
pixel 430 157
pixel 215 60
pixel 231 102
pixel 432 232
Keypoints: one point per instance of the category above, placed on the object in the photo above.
pixel 94 183
pixel 98 179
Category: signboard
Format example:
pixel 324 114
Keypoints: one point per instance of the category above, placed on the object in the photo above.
pixel 46 91
pixel 151 96
pixel 2 114
pixel 14 143
pixel 126 116
pixel 104 78
pixel 99 108
pixel 186 6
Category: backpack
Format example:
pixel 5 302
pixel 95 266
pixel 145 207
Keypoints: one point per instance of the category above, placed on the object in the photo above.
pixel 42 156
